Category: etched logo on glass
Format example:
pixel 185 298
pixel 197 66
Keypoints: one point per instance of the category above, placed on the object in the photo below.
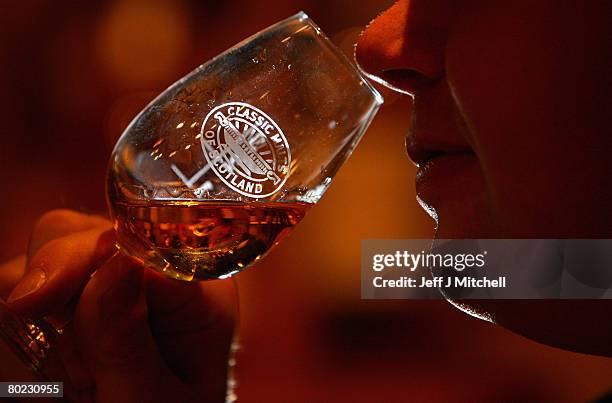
pixel 246 149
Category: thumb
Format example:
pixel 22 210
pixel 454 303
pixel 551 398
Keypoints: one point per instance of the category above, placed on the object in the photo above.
pixel 115 339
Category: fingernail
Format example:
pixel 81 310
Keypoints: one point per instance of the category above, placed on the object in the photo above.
pixel 30 283
pixel 124 290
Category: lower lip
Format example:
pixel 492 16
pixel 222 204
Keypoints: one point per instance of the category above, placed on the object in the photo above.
pixel 445 177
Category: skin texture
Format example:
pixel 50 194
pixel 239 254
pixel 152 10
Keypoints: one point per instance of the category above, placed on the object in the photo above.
pixel 129 333
pixel 509 131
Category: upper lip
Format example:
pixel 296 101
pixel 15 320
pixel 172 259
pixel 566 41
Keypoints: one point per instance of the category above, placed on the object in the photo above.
pixel 422 150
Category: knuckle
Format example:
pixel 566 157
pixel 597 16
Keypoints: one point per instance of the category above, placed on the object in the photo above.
pixel 75 256
pixel 59 246
pixel 57 217
pixel 54 253
pixel 64 219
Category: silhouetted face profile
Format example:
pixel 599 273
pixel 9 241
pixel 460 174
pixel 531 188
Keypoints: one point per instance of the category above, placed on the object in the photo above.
pixel 510 129
pixel 511 125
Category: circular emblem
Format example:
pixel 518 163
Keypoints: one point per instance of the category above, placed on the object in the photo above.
pixel 246 149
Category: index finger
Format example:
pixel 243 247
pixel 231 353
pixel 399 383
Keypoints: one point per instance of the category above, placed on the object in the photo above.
pixel 60 270
pixel 55 224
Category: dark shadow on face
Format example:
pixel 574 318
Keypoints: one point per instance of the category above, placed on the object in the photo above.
pixel 510 132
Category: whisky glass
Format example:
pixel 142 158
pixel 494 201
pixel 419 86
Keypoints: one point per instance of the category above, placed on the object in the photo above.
pixel 227 160
pixel 220 166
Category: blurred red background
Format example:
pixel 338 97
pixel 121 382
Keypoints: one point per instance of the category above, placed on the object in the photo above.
pixel 73 74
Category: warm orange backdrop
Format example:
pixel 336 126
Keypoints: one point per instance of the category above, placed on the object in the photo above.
pixel 72 75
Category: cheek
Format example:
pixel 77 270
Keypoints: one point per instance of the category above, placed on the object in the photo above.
pixel 519 93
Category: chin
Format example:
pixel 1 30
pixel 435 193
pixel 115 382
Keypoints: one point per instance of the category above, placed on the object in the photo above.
pixel 468 217
pixel 458 201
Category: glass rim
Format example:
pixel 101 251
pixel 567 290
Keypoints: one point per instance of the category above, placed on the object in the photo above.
pixel 301 16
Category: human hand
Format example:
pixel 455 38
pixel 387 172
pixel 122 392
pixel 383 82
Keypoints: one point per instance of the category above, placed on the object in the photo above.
pixel 134 335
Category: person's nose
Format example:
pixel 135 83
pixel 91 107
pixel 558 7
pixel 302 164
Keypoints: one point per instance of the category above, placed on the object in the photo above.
pixel 404 47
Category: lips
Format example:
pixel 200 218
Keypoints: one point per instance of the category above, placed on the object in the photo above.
pixel 444 169
pixel 423 148
pixel 441 171
pixel 442 154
